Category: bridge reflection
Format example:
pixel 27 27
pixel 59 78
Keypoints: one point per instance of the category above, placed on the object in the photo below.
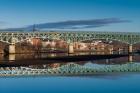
pixel 30 65
pixel 88 67
pixel 44 55
pixel 64 57
pixel 68 69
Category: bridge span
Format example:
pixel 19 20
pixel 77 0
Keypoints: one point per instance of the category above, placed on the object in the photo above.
pixel 11 38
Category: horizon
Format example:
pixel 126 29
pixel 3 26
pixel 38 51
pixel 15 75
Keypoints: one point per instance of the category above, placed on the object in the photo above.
pixel 75 15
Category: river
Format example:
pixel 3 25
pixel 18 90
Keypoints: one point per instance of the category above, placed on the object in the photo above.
pixel 68 79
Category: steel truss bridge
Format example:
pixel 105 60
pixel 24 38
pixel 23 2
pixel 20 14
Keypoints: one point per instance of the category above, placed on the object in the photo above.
pixel 15 37
pixel 70 69
pixel 12 38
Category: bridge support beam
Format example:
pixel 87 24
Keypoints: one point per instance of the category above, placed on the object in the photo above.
pixel 12 49
pixel 70 48
pixel 130 48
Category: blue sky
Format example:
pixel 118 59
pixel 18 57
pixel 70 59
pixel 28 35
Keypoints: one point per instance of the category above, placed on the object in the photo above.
pixel 19 13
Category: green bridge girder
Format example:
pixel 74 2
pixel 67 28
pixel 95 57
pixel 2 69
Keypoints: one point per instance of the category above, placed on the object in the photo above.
pixel 71 36
pixel 70 69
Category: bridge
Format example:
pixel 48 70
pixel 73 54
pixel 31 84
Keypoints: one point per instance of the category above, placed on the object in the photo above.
pixel 11 38
pixel 70 70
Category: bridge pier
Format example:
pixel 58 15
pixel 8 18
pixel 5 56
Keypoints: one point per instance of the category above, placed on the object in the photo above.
pixel 12 57
pixel 70 48
pixel 130 58
pixel 12 49
pixel 130 48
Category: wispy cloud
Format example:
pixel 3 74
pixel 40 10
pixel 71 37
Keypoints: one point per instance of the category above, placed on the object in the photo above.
pixel 71 24
pixel 77 24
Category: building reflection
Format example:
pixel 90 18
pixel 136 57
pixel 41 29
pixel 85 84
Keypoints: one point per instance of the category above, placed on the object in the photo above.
pixel 13 57
pixel 113 61
pixel 87 67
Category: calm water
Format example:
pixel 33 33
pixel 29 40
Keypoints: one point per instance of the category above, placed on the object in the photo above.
pixel 123 82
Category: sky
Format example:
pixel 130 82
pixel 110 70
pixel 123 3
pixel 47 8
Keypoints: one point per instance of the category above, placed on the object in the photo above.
pixel 22 13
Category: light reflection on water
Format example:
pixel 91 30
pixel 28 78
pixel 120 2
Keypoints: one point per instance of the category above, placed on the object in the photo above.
pixel 122 82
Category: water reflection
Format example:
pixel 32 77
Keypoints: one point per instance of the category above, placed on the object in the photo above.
pixel 12 57
pixel 47 55
pixel 79 68
pixel 30 56
pixel 28 66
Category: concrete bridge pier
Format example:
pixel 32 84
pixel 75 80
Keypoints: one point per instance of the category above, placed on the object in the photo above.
pixel 130 48
pixel 130 58
pixel 12 49
pixel 70 48
pixel 12 57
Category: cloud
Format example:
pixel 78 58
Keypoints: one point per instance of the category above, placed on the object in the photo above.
pixel 70 24
pixel 77 24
